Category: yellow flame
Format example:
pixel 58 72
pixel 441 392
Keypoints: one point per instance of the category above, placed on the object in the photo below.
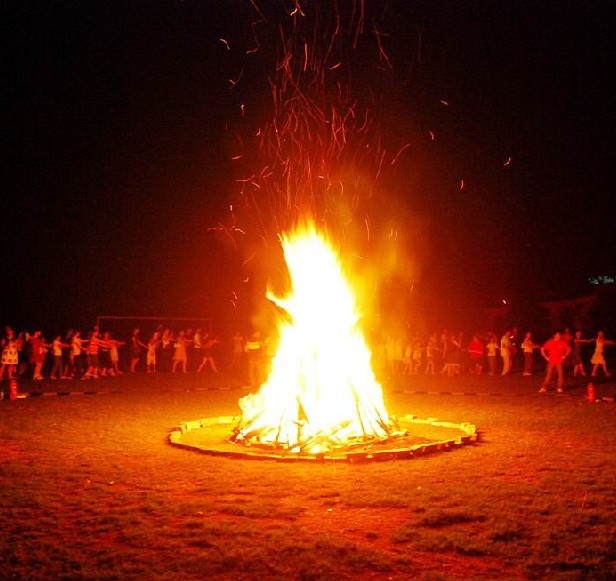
pixel 321 391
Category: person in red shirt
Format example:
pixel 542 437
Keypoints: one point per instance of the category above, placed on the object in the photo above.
pixel 555 351
pixel 476 351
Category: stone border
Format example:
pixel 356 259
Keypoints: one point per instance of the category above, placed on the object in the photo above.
pixel 470 435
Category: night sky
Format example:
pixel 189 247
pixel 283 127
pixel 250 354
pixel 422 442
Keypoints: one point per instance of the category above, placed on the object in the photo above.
pixel 115 157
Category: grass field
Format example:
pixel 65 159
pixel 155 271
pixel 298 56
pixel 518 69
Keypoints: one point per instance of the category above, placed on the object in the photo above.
pixel 91 489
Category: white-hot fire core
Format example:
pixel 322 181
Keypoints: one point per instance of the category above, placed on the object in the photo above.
pixel 321 391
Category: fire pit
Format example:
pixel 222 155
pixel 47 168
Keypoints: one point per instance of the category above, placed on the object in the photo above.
pixel 416 438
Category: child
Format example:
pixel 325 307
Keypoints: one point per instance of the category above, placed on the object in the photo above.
pixel 492 349
pixel 431 353
pixel 598 357
pixel 576 358
pixel 416 356
pixel 527 348
pixel 151 353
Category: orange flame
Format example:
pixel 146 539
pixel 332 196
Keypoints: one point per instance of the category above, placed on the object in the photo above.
pixel 321 392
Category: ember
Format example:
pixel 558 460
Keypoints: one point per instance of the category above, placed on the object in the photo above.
pixel 321 392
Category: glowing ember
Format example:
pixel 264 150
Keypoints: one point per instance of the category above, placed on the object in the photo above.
pixel 321 392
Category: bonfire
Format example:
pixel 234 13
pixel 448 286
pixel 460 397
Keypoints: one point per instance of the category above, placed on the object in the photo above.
pixel 321 392
pixel 308 167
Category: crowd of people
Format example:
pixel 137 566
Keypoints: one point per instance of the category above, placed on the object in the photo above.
pixel 97 354
pixel 453 353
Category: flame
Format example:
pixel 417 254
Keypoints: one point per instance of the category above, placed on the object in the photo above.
pixel 321 392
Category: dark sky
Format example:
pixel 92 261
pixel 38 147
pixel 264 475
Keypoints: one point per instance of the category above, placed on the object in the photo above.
pixel 114 160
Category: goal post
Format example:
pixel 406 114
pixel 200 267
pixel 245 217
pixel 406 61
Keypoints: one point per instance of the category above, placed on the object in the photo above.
pixel 122 326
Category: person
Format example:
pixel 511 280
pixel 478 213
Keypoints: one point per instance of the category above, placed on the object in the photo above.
pixel 395 355
pixel 528 347
pixel 67 355
pixel 416 356
pixel 10 355
pixel 180 353
pixel 78 354
pixel 475 350
pixel 165 350
pixel 453 355
pixel 492 352
pixel 22 353
pixel 577 359
pixel 94 345
pixel 208 353
pixel 514 341
pixel 196 353
pixel 136 345
pixel 57 347
pixel 104 355
pixel 253 349
pixel 112 345
pixel 505 352
pixel 237 352
pixel 150 357
pixel 598 357
pixel 432 350
pixel 38 350
pixel 555 351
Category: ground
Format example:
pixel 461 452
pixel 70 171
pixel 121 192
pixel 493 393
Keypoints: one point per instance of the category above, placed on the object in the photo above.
pixel 90 488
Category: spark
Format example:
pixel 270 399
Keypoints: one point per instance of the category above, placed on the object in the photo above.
pixel 317 127
pixel 248 260
pixel 236 81
pixel 382 52
pixel 507 162
pixel 297 10
pixel 461 184
pixel 395 159
pixel 432 135
pixel 443 102
pixel 225 43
